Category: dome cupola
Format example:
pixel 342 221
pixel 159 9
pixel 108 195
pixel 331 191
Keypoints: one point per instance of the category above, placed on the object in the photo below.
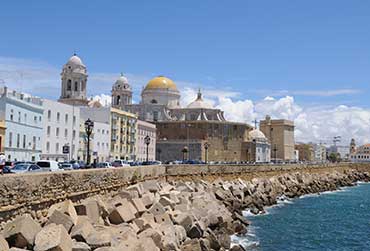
pixel 199 103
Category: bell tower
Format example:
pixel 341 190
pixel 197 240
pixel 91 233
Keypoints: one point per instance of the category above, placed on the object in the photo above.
pixel 121 93
pixel 74 80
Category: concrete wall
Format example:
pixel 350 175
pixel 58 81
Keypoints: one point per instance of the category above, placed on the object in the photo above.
pixel 21 193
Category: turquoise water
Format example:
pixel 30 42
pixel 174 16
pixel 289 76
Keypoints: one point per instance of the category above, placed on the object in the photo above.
pixel 330 221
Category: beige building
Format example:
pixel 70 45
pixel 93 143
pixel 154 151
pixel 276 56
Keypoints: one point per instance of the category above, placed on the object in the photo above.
pixel 280 133
pixel 2 135
pixel 145 129
pixel 123 134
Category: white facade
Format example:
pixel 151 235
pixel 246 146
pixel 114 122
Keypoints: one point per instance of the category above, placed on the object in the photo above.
pixel 319 152
pixel 23 115
pixel 60 128
pixel 100 144
pixel 145 129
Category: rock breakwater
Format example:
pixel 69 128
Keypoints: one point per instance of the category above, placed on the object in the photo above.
pixel 151 215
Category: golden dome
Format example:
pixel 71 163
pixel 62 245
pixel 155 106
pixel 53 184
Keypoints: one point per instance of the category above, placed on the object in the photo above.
pixel 161 83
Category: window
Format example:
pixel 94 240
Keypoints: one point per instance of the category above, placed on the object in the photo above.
pixel 19 117
pixel 69 85
pixel 25 118
pixel 74 134
pixel 34 142
pixel 57 147
pixel 76 86
pixel 57 132
pixel 35 119
pixel 48 131
pixel 155 116
pixel 48 146
pixel 10 139
pixel 74 120
pixel 49 114
pixel 58 116
pixel 18 140
pixel 65 133
pixel 24 141
pixel 66 118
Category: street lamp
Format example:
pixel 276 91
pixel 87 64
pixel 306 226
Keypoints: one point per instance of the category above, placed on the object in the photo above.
pixel 275 150
pixel 184 151
pixel 89 125
pixel 206 146
pixel 147 142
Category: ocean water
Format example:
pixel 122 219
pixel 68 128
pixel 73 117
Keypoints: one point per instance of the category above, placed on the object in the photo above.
pixel 330 221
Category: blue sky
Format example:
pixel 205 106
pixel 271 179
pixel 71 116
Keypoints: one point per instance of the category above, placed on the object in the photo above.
pixel 315 51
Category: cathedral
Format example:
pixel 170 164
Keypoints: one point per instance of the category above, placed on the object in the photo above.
pixel 160 101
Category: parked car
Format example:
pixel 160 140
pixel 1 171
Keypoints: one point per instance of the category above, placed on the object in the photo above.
pixel 49 164
pixel 66 166
pixel 104 165
pixel 120 163
pixel 25 168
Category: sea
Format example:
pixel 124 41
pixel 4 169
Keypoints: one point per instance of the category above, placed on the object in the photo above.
pixel 338 220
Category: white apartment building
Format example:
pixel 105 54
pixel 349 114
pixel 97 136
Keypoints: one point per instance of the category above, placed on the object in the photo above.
pixel 145 129
pixel 100 143
pixel 23 115
pixel 60 128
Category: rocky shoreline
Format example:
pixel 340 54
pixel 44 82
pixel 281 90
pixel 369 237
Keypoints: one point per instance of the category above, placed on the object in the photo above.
pixel 152 215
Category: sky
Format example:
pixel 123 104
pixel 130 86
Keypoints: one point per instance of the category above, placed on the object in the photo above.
pixel 307 61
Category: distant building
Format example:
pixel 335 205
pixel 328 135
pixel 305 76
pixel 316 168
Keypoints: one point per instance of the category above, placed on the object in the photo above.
pixel 227 140
pixel 343 152
pixel 362 154
pixel 23 116
pixel 2 135
pixel 280 133
pixel 258 148
pixel 145 129
pixel 319 152
pixel 306 152
pixel 60 128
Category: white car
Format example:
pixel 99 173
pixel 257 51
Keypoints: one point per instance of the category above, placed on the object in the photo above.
pixel 49 164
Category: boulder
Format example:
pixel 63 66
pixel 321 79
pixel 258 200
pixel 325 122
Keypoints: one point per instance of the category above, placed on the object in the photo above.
pixel 154 234
pixel 195 231
pixel 139 205
pixel 151 186
pixel 163 219
pixel 145 244
pixel 3 244
pixel 81 230
pixel 60 218
pixel 237 247
pixel 53 237
pixel 91 209
pixel 124 213
pixel 147 199
pixel 99 239
pixel 183 219
pixel 167 202
pixel 157 209
pixel 138 188
pixel 21 232
pixel 65 207
pixel 80 246
pixel 191 245
pixel 17 249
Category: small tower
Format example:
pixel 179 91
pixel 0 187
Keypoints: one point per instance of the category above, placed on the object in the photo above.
pixel 74 80
pixel 121 93
pixel 353 146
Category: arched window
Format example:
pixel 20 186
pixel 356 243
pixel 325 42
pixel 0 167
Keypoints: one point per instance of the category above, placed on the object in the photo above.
pixel 76 86
pixel 69 85
pixel 118 99
pixel 153 101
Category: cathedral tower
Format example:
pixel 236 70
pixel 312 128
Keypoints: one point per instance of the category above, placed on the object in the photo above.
pixel 74 80
pixel 121 93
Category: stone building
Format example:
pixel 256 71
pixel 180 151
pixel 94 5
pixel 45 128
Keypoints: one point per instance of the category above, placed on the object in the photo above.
pixel 361 154
pixel 74 82
pixel 258 148
pixel 60 128
pixel 280 133
pixel 306 152
pixel 23 116
pixel 2 135
pixel 145 129
pixel 226 140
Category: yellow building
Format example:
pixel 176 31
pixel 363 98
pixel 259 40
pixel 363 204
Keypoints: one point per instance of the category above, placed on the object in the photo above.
pixel 123 134
pixel 2 135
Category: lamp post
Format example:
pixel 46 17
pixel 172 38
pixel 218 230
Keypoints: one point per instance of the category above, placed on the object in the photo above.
pixel 147 142
pixel 275 149
pixel 89 125
pixel 184 151
pixel 206 146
